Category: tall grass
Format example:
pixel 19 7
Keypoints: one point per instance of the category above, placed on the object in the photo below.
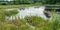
pixel 20 24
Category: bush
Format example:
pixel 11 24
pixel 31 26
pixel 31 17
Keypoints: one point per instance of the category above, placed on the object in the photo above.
pixel 4 3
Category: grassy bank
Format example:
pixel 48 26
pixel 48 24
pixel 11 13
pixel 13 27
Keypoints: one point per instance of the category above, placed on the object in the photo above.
pixel 13 6
pixel 23 5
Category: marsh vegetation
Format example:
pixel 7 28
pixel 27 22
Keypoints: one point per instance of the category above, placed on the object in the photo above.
pixel 37 22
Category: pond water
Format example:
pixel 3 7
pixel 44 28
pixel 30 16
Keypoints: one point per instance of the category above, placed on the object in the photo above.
pixel 31 11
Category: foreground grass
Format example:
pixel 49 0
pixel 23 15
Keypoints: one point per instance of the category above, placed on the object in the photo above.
pixel 20 24
pixel 14 24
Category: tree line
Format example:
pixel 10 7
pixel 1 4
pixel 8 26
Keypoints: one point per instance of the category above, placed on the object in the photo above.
pixel 16 2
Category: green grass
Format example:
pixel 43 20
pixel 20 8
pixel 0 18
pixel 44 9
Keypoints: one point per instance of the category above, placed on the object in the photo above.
pixel 13 6
pixel 20 24
pixel 23 5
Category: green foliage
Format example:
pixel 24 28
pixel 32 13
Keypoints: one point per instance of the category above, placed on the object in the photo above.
pixel 55 21
pixel 11 12
pixel 3 3
pixel 4 13
pixel 36 21
pixel 20 24
pixel 18 2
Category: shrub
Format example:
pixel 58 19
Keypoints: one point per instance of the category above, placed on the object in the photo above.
pixel 4 3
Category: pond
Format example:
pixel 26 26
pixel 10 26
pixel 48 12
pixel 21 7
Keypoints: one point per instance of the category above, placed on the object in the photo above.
pixel 30 11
